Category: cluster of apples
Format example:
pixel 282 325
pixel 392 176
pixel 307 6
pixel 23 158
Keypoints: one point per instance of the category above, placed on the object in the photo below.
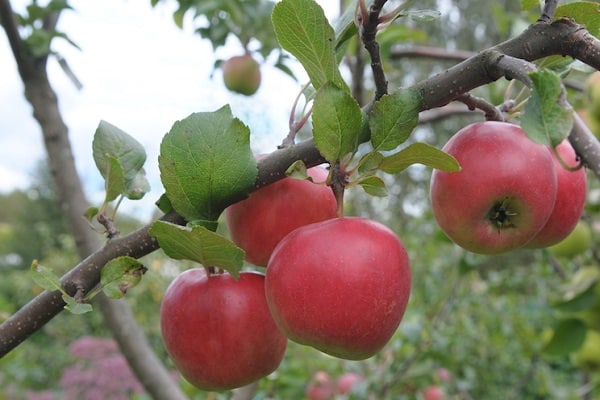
pixel 338 284
pixel 511 192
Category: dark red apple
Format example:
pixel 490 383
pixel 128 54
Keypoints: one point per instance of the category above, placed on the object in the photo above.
pixel 570 199
pixel 258 223
pixel 218 330
pixel 504 193
pixel 241 74
pixel 340 286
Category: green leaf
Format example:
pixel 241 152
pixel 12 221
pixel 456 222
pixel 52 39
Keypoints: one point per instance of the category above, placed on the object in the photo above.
pixel 112 144
pixel 138 186
pixel 45 277
pixel 198 244
pixel 545 120
pixel 114 181
pixel 370 162
pixel 583 12
pixel 568 336
pixel 393 118
pixel 76 307
pixel 578 302
pixel 206 164
pixel 297 170
pixel 374 186
pixel 419 153
pixel 91 212
pixel 302 29
pixel 337 122
pixel 121 274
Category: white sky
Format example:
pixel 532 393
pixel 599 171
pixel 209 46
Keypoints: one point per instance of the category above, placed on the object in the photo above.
pixel 141 73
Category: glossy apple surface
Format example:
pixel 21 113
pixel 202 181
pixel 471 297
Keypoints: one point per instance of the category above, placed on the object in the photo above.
pixel 218 331
pixel 504 193
pixel 258 223
pixel 340 286
pixel 241 74
pixel 571 194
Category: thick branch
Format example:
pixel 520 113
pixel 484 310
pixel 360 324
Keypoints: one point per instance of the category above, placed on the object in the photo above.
pixel 562 37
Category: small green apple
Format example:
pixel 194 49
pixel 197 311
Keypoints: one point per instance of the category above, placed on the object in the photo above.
pixel 241 74
pixel 578 241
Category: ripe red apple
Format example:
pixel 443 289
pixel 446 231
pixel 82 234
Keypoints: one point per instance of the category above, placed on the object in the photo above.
pixel 340 286
pixel 433 393
pixel 504 193
pixel 218 330
pixel 570 199
pixel 258 223
pixel 241 74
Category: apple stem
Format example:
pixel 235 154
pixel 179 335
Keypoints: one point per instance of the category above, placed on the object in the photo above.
pixel 338 184
pixel 564 164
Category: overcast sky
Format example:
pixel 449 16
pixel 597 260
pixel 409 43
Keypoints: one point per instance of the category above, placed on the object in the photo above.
pixel 140 73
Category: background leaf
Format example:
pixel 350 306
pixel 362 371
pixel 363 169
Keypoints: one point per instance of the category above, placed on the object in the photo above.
pixel 419 153
pixel 337 122
pixel 568 336
pixel 200 245
pixel 544 119
pixel 303 30
pixel 206 164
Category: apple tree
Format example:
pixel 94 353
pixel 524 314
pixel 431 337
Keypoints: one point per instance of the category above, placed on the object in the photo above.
pixel 347 292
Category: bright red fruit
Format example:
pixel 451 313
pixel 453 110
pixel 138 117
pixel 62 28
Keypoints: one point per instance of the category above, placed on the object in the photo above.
pixel 218 330
pixel 570 199
pixel 259 222
pixel 340 286
pixel 504 193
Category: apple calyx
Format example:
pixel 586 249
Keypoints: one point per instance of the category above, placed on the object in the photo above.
pixel 501 215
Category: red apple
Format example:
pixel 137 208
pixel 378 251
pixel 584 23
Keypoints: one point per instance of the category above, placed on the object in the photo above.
pixel 346 382
pixel 259 222
pixel 570 200
pixel 340 286
pixel 433 393
pixel 320 387
pixel 504 193
pixel 241 74
pixel 218 330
